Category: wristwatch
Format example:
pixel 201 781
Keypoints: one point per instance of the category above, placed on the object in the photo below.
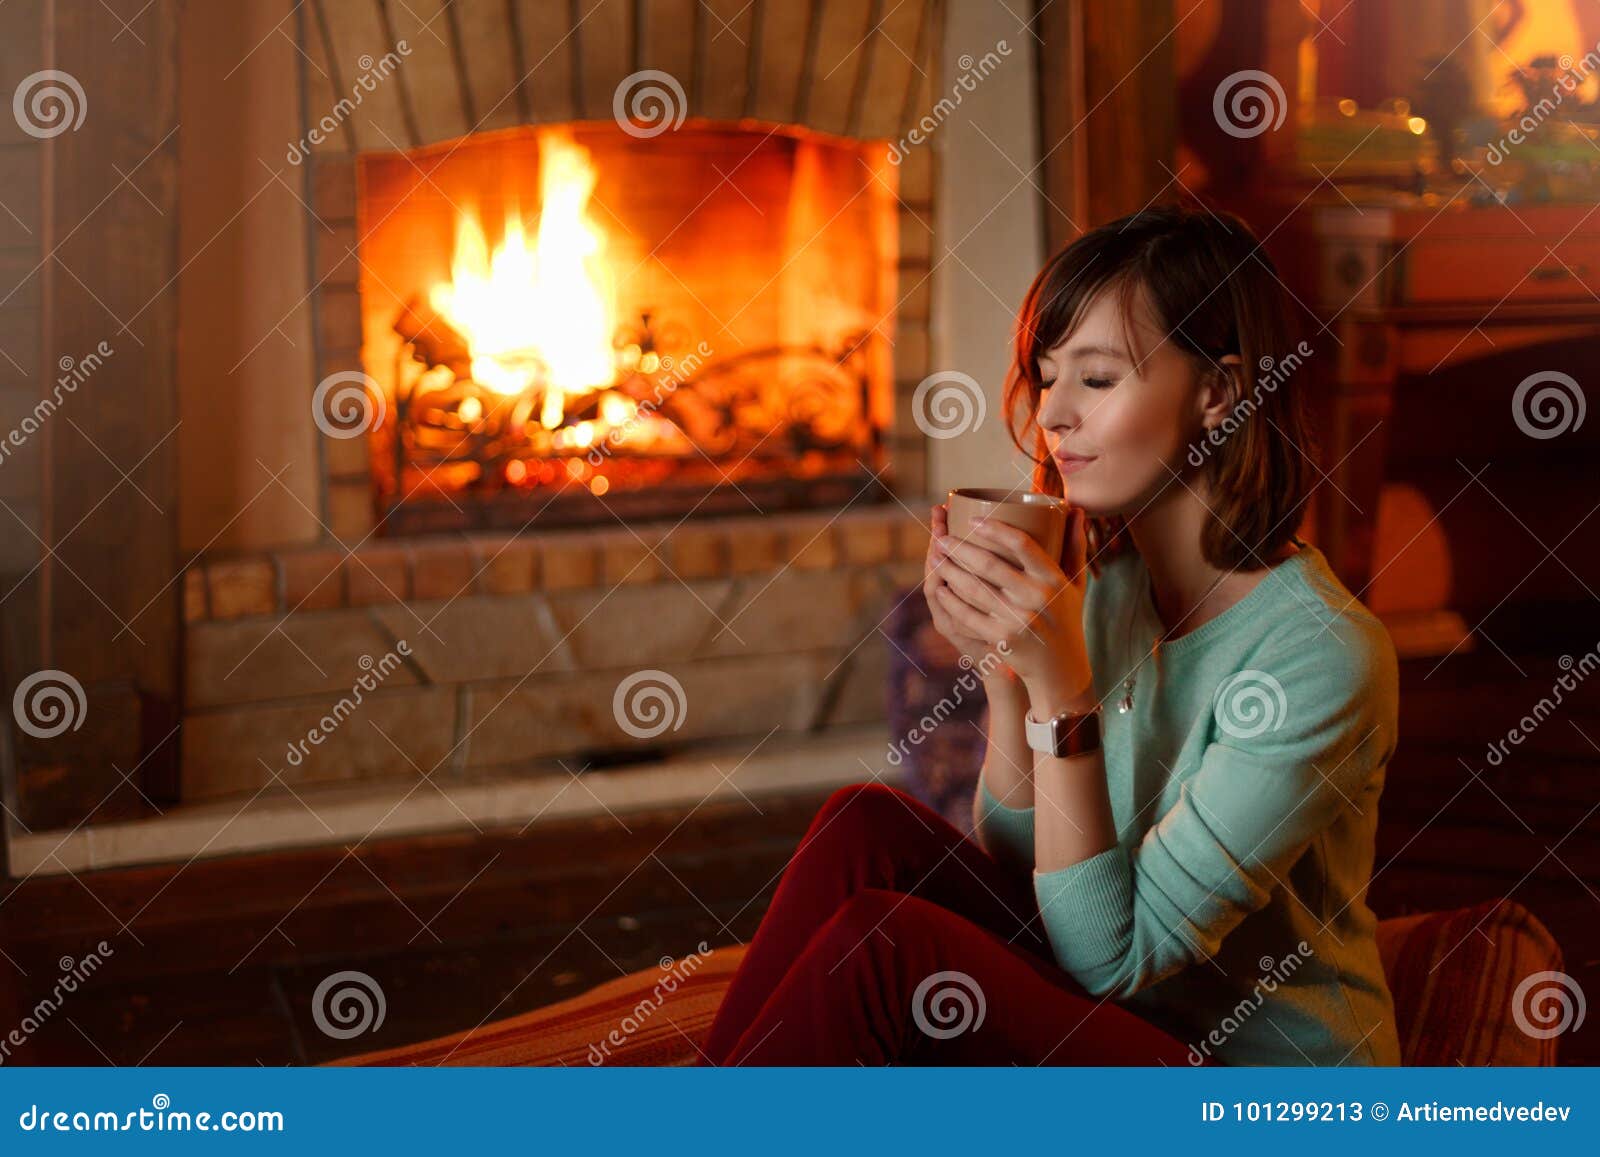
pixel 1069 733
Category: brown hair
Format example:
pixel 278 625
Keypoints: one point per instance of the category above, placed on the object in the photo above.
pixel 1214 291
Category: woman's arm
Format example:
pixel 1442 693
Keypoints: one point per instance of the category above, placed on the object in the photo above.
pixel 1123 919
pixel 1002 807
pixel 1070 792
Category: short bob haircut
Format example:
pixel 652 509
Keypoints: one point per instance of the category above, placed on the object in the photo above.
pixel 1213 290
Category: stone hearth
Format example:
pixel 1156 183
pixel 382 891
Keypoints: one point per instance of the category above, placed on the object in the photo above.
pixel 517 644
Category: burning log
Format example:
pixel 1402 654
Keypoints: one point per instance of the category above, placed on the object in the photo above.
pixel 437 342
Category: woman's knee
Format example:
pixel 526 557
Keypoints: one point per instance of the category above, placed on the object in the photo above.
pixel 865 807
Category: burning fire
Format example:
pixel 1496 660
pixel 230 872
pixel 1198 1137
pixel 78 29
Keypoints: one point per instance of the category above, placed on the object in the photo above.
pixel 539 315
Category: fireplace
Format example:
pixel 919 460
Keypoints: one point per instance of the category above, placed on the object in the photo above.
pixel 724 485
pixel 572 322
pixel 611 372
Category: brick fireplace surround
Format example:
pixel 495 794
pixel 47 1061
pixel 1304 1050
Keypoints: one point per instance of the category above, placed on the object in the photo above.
pixel 500 652
pixel 771 624
pixel 517 643
pixel 554 619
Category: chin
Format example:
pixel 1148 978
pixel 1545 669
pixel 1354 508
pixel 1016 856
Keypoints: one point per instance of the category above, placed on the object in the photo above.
pixel 1091 497
pixel 1090 502
pixel 1102 497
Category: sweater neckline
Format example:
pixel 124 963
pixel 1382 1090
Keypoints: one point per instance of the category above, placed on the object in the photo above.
pixel 1239 612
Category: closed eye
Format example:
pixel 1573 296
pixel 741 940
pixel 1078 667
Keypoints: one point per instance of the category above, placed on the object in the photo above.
pixel 1098 383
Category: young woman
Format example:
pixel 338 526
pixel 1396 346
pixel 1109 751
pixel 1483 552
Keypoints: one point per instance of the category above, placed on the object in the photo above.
pixel 1189 885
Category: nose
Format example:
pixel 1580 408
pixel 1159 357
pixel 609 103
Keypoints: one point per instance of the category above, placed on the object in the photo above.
pixel 1058 412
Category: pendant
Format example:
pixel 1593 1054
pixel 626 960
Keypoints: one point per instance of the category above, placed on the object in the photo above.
pixel 1125 704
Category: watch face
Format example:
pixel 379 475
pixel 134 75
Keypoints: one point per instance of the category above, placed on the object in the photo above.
pixel 1076 734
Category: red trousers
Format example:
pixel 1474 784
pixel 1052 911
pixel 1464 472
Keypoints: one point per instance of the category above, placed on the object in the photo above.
pixel 892 938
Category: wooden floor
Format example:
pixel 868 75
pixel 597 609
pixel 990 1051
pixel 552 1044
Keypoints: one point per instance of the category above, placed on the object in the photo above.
pixel 455 930
pixel 217 963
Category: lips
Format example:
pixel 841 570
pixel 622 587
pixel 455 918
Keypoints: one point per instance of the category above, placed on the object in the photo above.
pixel 1072 461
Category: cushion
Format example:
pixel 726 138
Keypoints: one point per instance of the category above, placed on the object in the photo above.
pixel 1453 975
pixel 654 1016
pixel 937 713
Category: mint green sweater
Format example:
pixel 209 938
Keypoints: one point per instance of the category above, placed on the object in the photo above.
pixel 1244 784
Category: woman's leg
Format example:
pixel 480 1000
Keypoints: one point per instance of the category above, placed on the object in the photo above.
pixel 871 836
pixel 891 978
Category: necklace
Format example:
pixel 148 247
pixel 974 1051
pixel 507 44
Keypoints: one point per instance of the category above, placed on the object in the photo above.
pixel 1125 704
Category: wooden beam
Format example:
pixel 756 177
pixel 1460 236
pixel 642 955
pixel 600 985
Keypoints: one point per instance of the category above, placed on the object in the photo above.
pixel 1063 145
pixel 1130 95
pixel 111 590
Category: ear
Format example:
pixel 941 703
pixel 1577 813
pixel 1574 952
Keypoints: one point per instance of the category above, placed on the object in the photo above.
pixel 1220 390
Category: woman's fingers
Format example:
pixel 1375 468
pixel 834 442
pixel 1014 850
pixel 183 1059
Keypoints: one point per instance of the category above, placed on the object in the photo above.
pixel 972 589
pixel 1017 547
pixel 957 599
pixel 1001 615
pixel 937 593
pixel 1015 591
pixel 938 524
pixel 966 619
pixel 978 560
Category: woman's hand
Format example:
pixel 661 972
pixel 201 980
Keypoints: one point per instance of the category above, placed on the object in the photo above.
pixel 976 652
pixel 1006 592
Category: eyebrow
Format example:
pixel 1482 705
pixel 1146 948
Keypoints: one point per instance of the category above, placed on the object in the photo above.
pixel 1109 351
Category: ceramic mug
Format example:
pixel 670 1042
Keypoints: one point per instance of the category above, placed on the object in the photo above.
pixel 1042 517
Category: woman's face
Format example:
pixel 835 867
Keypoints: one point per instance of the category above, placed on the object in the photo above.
pixel 1117 431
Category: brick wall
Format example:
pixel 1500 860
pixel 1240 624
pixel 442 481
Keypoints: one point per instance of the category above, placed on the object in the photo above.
pixel 518 644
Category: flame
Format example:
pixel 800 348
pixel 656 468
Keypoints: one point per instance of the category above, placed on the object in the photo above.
pixel 541 314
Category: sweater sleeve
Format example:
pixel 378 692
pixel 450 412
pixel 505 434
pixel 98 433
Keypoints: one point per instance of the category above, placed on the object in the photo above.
pixel 1005 832
pixel 1295 746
